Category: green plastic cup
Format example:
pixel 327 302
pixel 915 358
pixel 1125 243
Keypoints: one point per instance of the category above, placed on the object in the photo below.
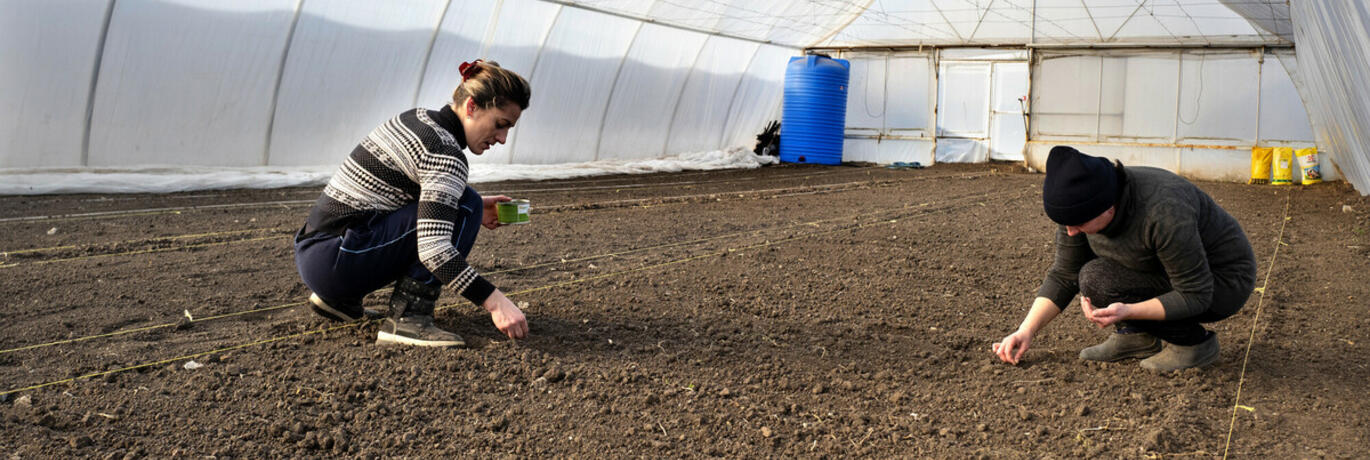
pixel 512 212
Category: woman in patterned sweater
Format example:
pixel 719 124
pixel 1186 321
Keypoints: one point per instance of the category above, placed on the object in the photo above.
pixel 399 211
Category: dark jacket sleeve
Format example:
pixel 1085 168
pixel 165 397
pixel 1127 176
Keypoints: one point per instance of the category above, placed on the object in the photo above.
pixel 1063 279
pixel 1180 249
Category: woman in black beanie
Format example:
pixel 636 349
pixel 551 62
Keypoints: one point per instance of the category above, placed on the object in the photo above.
pixel 1150 254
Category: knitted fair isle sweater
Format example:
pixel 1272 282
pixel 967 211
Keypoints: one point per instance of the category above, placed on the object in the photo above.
pixel 416 156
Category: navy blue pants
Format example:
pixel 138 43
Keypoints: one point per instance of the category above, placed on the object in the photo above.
pixel 369 257
pixel 1105 281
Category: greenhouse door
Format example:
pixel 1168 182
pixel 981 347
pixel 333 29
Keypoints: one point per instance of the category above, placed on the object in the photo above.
pixel 978 117
pixel 962 112
pixel 1008 129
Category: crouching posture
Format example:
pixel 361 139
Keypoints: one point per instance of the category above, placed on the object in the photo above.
pixel 399 211
pixel 1150 254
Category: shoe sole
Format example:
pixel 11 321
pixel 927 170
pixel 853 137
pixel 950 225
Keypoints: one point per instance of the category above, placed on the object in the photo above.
pixel 1207 360
pixel 383 338
pixel 321 308
pixel 1139 354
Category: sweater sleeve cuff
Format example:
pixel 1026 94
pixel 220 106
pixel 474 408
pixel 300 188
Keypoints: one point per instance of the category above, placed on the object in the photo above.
pixel 478 290
pixel 1176 306
pixel 1058 295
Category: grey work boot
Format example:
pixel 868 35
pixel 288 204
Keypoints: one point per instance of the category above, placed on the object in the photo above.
pixel 340 311
pixel 411 318
pixel 1176 357
pixel 1120 346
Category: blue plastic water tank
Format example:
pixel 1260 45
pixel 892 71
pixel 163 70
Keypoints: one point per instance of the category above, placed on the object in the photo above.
pixel 815 113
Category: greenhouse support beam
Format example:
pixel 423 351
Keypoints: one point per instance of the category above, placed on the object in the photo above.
pixel 1095 23
pixel 1099 103
pixel 666 141
pixel 94 82
pixel 885 96
pixel 1260 92
pixel 943 15
pixel 532 73
pixel 936 102
pixel 1027 102
pixel 1196 46
pixel 728 116
pixel 1139 7
pixel 1051 47
pixel 664 24
pixel 609 101
pixel 1179 91
pixel 982 21
pixel 490 28
pixel 428 55
pixel 1176 145
pixel 280 77
pixel 832 33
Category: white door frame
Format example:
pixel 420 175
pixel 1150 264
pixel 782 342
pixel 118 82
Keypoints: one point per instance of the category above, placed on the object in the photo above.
pixel 983 138
pixel 1012 148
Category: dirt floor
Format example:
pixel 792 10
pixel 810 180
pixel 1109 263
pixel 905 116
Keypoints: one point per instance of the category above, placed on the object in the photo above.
pixel 788 311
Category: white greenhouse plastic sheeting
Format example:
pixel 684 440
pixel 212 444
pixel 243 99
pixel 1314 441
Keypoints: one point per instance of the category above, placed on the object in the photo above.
pixel 276 85
pixel 179 179
pixel 1196 112
pixel 1334 60
pixel 284 83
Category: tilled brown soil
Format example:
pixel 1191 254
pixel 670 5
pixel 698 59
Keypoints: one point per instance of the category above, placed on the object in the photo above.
pixel 790 311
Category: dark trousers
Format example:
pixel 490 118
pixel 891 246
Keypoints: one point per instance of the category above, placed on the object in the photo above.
pixel 371 256
pixel 1106 282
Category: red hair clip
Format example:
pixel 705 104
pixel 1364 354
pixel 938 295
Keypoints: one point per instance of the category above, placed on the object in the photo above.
pixel 469 69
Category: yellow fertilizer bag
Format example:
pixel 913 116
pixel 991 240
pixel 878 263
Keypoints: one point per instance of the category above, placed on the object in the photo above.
pixel 1308 164
pixel 1284 166
pixel 1260 165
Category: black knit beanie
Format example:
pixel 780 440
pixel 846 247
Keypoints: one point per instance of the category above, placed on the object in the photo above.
pixel 1078 187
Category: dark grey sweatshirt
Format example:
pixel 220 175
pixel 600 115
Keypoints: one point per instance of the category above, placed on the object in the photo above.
pixel 1164 224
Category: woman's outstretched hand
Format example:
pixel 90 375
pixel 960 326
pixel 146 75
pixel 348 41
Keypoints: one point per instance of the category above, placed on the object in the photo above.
pixel 506 316
pixel 490 218
pixel 1012 347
